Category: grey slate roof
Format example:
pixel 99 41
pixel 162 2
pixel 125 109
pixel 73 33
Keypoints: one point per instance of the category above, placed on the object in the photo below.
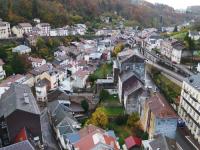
pixel 194 81
pixel 24 145
pixel 18 97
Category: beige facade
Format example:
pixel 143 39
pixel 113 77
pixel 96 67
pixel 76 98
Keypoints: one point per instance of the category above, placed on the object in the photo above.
pixel 189 108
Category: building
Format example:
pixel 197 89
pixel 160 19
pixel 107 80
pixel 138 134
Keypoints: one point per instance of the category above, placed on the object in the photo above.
pixel 189 108
pixel 96 139
pixel 161 142
pixel 64 124
pixel 23 145
pixel 44 29
pixel 37 62
pixel 21 49
pixel 17 31
pixel 194 35
pixel 132 142
pixel 158 117
pixel 18 110
pixel 2 71
pixel 5 31
pixel 26 27
pixel 41 88
pixel 129 90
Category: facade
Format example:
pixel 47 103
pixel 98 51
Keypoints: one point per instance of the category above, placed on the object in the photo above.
pixel 44 29
pixel 26 27
pixel 2 71
pixel 18 110
pixel 5 31
pixel 158 117
pixel 41 89
pixel 18 31
pixel 21 49
pixel 189 108
pixel 37 62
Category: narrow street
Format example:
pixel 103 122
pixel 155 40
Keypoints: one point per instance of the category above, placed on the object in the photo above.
pixel 47 133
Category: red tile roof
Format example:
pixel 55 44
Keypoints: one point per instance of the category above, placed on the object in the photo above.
pixel 132 142
pixel 159 107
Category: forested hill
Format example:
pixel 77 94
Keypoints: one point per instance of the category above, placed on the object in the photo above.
pixel 62 12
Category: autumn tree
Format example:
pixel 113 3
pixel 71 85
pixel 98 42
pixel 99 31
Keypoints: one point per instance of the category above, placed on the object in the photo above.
pixel 118 48
pixel 133 119
pixel 99 118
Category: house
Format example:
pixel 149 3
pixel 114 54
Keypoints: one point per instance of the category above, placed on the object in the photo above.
pixel 44 29
pixel 21 49
pixel 159 117
pixel 17 31
pixel 26 27
pixel 179 51
pixel 130 89
pixel 41 88
pixel 153 42
pixel 194 35
pixel 189 108
pixel 64 124
pixel 5 31
pixel 161 142
pixel 2 71
pixel 132 142
pixel 31 39
pixel 50 73
pixel 79 78
pixel 96 139
pixel 23 145
pixel 129 60
pixel 18 109
pixel 37 62
pixel 5 84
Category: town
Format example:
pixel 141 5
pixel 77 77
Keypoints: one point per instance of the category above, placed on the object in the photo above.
pixel 122 87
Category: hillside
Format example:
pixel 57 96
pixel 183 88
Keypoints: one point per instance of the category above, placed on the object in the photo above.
pixel 62 12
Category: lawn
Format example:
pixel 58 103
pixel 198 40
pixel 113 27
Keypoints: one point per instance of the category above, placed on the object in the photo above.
pixel 103 71
pixel 179 35
pixel 114 111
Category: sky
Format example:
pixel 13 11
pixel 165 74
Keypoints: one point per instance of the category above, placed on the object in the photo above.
pixel 177 4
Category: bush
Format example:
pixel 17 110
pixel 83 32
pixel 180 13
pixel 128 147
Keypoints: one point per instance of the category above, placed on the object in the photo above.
pixel 121 120
pixel 85 105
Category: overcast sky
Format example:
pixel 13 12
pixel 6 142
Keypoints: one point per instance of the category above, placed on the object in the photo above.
pixel 177 4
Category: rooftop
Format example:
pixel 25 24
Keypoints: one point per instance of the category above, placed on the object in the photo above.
pixel 194 81
pixel 160 108
pixel 18 97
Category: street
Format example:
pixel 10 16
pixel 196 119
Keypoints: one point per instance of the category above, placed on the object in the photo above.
pixel 47 133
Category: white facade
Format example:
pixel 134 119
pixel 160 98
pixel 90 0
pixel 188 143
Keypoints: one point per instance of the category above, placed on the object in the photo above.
pixel 189 108
pixel 2 72
pixel 41 93
pixel 198 67
pixel 4 30
pixel 17 31
pixel 176 56
pixel 26 27
pixel 37 62
pixel 44 29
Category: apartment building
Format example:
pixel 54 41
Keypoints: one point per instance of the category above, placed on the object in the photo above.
pixel 4 29
pixel 189 108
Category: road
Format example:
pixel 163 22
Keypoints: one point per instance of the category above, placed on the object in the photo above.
pixel 47 133
pixel 167 71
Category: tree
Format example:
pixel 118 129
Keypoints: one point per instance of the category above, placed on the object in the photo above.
pixel 118 48
pixel 133 119
pixel 99 118
pixel 104 95
pixel 85 105
pixel 34 8
pixel 175 29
